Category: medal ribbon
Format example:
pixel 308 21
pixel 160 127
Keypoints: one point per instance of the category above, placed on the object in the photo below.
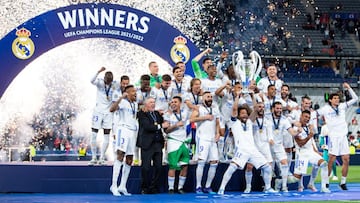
pixel 258 123
pixel 306 129
pixel 336 110
pixel 243 125
pixel 107 91
pixel 165 93
pixel 196 99
pixel 276 125
pixel 178 117
pixel 207 109
pixel 178 87
pixel 153 116
pixel 132 105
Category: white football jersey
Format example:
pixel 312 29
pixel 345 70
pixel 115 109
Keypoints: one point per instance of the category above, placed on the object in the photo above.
pixel 206 130
pixel 127 114
pixel 162 98
pixel 103 94
pixel 265 82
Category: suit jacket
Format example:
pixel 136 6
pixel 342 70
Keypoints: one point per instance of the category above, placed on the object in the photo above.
pixel 148 132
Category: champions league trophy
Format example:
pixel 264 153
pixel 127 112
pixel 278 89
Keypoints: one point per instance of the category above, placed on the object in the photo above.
pixel 248 69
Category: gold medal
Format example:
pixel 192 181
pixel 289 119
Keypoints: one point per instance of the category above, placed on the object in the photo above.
pixel 155 123
pixel 108 98
pixel 276 131
pixel 260 131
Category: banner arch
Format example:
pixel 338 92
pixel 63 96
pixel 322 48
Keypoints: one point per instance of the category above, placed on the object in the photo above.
pixel 56 27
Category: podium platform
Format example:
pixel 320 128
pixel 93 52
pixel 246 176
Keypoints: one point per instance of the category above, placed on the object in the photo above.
pixel 78 177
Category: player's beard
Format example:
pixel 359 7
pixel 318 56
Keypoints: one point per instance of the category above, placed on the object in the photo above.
pixel 261 113
pixel 243 119
pixel 277 114
pixel 208 103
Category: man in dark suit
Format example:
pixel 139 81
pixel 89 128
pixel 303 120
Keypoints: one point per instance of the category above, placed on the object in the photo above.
pixel 151 141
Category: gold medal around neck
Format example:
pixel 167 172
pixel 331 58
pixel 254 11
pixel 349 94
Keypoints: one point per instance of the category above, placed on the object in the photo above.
pixel 108 98
pixel 155 123
pixel 276 131
pixel 260 131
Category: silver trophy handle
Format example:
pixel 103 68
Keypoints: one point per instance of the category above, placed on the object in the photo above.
pixel 256 60
pixel 238 64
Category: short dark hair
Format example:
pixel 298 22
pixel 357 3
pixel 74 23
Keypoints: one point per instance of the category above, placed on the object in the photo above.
pixel 286 85
pixel 179 62
pixel 306 111
pixel 271 85
pixel 305 97
pixel 124 77
pixel 237 83
pixel 175 68
pixel 275 103
pixel 206 59
pixel 145 77
pixel 206 92
pixel 178 97
pixel 332 95
pixel 166 77
pixel 128 87
pixel 108 74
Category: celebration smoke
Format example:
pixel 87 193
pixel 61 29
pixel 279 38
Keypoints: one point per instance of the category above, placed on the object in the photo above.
pixel 53 95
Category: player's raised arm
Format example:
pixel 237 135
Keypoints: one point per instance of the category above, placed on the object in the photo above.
pixel 354 97
pixel 93 79
pixel 235 106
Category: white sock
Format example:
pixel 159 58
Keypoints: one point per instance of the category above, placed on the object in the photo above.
pixel 227 175
pixel 220 145
pixel 182 180
pixel 324 174
pixel 104 146
pixel 199 172
pixel 284 169
pixel 248 178
pixel 125 175
pixel 313 176
pixel 301 182
pixel 93 144
pixel 171 182
pixel 343 180
pixel 211 174
pixel 266 171
pixel 116 172
pixel 289 159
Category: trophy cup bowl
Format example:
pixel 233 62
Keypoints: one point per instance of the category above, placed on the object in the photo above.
pixel 247 69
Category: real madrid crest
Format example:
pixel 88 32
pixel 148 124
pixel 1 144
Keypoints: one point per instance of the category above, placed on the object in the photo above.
pixel 23 47
pixel 180 52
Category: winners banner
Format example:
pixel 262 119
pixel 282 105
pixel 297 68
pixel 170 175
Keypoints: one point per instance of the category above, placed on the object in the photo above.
pixel 54 28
